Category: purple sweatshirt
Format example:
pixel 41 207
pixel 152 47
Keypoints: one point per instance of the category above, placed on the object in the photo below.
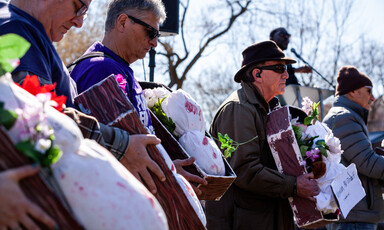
pixel 93 70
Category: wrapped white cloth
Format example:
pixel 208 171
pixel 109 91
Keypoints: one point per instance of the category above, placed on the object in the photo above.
pixel 102 193
pixel 326 201
pixel 190 127
pixel 200 146
pixel 185 186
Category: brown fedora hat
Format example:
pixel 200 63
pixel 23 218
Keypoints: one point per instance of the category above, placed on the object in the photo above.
pixel 260 52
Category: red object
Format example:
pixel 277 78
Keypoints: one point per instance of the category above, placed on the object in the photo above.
pixel 32 85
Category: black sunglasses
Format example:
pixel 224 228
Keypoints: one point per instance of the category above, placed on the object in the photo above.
pixel 280 68
pixel 152 32
pixel 82 10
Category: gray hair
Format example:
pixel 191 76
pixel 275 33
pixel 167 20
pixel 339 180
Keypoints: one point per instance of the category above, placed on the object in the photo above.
pixel 117 7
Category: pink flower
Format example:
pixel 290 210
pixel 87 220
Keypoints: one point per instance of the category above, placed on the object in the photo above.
pixel 307 105
pixel 313 154
pixel 122 82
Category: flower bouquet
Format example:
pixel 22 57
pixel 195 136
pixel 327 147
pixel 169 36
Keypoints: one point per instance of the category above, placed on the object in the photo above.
pixel 301 144
pixel 321 152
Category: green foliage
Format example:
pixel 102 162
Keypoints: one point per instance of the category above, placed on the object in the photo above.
pixel 7 117
pixel 230 145
pixel 159 113
pixel 314 115
pixel 50 156
pixel 12 46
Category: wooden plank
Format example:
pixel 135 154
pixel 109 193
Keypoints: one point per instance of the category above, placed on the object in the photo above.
pixel 108 103
pixel 35 188
pixel 286 153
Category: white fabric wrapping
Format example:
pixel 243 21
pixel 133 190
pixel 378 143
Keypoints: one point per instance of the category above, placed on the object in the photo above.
pixel 207 154
pixel 190 127
pixel 185 186
pixel 103 194
pixel 184 111
pixel 326 201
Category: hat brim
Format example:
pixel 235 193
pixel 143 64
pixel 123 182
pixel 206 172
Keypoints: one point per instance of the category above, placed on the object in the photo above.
pixel 240 73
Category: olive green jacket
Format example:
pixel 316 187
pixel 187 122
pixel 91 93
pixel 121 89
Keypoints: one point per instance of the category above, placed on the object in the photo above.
pixel 258 197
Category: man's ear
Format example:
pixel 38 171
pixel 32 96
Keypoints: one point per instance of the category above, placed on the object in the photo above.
pixel 256 74
pixel 352 94
pixel 121 22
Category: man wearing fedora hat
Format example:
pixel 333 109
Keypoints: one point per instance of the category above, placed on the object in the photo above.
pixel 258 197
pixel 348 121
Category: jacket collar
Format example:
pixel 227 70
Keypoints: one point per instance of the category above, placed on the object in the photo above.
pixel 254 96
pixel 345 102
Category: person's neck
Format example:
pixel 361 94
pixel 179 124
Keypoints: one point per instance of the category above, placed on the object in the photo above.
pixel 113 45
pixel 27 6
pixel 268 97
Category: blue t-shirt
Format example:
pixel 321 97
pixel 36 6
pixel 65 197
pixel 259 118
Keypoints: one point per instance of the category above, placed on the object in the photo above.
pixel 93 70
pixel 41 58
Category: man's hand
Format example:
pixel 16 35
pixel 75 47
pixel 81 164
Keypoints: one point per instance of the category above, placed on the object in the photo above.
pixel 15 208
pixel 138 162
pixel 188 176
pixel 306 187
pixel 303 69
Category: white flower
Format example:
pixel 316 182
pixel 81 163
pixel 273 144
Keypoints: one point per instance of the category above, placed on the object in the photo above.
pixel 153 95
pixel 160 92
pixel 318 129
pixel 43 145
pixel 43 97
pixel 307 105
pixel 333 144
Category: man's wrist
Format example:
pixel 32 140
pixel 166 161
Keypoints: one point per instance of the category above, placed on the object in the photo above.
pixel 294 193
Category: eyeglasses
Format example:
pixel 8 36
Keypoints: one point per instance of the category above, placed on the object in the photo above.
pixel 369 89
pixel 152 32
pixel 275 68
pixel 82 10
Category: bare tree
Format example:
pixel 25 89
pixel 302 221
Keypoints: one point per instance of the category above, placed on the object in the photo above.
pixel 213 31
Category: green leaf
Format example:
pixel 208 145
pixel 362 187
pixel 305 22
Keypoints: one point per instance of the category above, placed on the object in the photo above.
pixel 303 151
pixel 159 113
pixel 298 131
pixel 308 120
pixel 323 151
pixel 7 118
pixel 12 46
pixel 28 149
pixel 51 156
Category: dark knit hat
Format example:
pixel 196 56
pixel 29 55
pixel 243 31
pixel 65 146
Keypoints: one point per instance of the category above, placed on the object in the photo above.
pixel 349 78
pixel 260 52
pixel 281 30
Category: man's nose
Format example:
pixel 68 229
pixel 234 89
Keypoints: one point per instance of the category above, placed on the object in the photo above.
pixel 153 42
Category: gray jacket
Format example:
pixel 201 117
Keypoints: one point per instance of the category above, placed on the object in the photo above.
pixel 348 122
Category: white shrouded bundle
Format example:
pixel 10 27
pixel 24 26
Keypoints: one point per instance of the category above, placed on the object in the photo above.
pixel 190 127
pixel 102 193
pixel 185 186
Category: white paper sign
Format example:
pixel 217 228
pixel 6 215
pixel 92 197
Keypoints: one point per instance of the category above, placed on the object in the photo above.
pixel 348 189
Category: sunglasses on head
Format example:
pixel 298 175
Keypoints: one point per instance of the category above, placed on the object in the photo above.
pixel 152 32
pixel 280 68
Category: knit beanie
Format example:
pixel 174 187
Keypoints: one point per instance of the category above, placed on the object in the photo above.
pixel 349 79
